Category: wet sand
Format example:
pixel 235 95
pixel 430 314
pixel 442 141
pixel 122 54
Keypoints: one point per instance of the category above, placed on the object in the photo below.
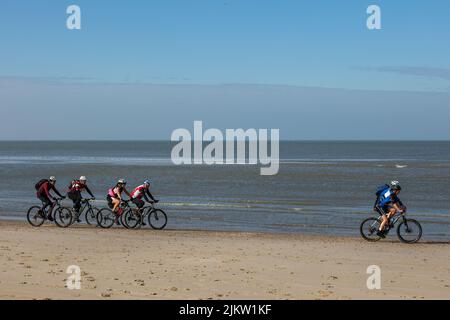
pixel 170 264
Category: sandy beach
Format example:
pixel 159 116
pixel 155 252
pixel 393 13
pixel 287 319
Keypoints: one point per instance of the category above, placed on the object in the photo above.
pixel 145 264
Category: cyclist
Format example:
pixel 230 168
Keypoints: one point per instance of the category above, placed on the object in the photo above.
pixel 388 204
pixel 74 193
pixel 43 188
pixel 140 192
pixel 114 196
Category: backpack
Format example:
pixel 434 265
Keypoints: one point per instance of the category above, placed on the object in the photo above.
pixel 381 189
pixel 70 186
pixel 38 185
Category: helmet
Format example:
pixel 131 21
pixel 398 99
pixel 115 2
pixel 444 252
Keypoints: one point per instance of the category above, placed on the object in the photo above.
pixel 82 178
pixel 122 181
pixel 395 185
pixel 147 182
pixel 52 179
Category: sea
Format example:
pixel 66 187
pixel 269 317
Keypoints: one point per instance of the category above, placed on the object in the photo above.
pixel 322 187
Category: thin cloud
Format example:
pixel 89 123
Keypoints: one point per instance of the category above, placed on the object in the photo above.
pixel 52 80
pixel 440 73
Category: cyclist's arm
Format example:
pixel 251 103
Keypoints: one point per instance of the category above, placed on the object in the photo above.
pixel 57 192
pixel 118 193
pixel 47 192
pixel 126 191
pixel 145 197
pixel 89 191
pixel 147 192
pixel 402 206
pixel 377 200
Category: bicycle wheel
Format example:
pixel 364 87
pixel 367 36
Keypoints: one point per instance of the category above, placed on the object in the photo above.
pixel 35 216
pixel 132 219
pixel 409 231
pixel 91 216
pixel 369 228
pixel 63 217
pixel 106 218
pixel 157 219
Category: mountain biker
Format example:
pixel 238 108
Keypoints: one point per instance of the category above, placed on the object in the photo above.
pixel 140 192
pixel 388 204
pixel 43 188
pixel 74 193
pixel 114 196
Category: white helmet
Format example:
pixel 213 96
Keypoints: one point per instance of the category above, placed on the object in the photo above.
pixel 52 179
pixel 82 178
pixel 122 181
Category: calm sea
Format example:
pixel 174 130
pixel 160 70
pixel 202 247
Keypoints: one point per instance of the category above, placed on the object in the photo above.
pixel 321 188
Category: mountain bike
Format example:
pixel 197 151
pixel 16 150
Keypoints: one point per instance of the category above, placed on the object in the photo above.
pixel 408 230
pixel 157 218
pixel 90 212
pixel 106 217
pixel 36 215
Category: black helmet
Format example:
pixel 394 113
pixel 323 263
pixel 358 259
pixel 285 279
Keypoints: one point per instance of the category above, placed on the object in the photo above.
pixel 396 187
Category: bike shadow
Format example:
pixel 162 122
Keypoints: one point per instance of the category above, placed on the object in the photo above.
pixel 433 242
pixel 427 242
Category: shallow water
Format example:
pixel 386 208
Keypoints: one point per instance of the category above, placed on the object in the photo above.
pixel 321 188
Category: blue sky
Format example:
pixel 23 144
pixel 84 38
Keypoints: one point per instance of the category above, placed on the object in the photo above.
pixel 318 44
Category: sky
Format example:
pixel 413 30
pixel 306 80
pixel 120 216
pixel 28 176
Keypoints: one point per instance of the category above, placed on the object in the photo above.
pixel 309 68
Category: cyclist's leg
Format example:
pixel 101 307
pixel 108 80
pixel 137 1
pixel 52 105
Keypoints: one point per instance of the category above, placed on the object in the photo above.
pixel 47 203
pixel 110 202
pixel 138 202
pixel 77 204
pixel 116 203
pixel 383 222
pixel 141 205
pixel 76 199
pixel 389 212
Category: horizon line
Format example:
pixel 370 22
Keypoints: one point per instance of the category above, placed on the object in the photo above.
pixel 281 140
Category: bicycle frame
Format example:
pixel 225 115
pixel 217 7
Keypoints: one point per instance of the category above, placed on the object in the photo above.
pixel 145 211
pixel 86 204
pixel 50 209
pixel 124 205
pixel 394 219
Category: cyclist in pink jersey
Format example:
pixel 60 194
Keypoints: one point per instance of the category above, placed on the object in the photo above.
pixel 114 196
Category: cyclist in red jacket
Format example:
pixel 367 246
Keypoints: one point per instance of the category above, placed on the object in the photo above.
pixel 140 192
pixel 43 193
pixel 74 193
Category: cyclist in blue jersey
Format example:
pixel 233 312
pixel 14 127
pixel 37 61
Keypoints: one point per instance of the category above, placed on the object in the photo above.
pixel 388 203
